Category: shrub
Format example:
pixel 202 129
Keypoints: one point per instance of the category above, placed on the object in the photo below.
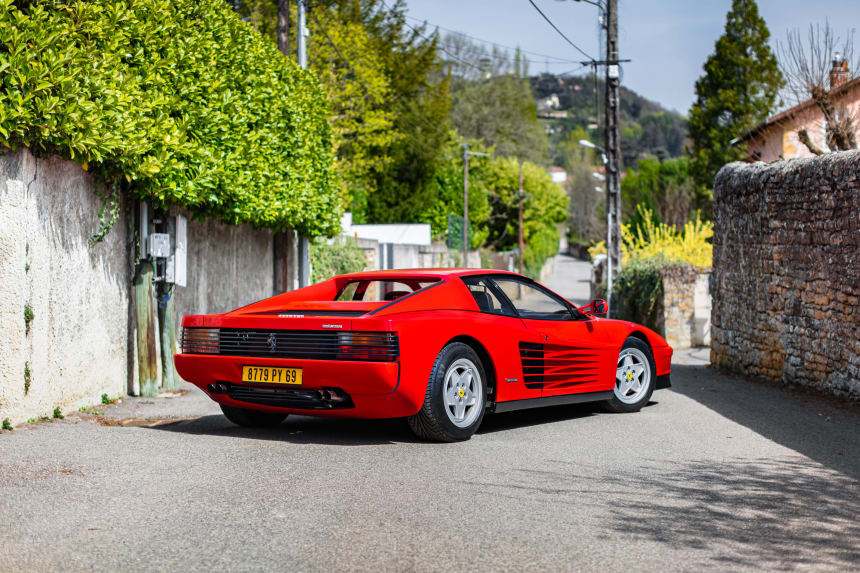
pixel 638 289
pixel 661 241
pixel 340 256
pixel 180 100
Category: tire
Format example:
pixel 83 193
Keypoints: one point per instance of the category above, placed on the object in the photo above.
pixel 252 418
pixel 635 366
pixel 456 397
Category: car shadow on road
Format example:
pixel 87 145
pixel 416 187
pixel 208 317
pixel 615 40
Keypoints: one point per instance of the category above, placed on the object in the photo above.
pixel 541 416
pixel 823 429
pixel 787 512
pixel 535 417
pixel 299 430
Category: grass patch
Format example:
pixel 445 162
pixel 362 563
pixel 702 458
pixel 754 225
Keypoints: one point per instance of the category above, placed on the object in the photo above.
pixel 26 378
pixel 7 425
pixel 28 317
pixel 107 399
pixel 58 414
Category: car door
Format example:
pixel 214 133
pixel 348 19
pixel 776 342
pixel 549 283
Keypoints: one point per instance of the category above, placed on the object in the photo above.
pixel 506 334
pixel 572 355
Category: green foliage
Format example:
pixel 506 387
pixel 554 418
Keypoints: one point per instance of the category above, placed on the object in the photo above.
pixel 359 91
pixel 667 189
pixel 545 207
pixel 586 223
pixel 445 195
pixel 107 399
pixel 28 317
pixel 737 91
pixel 496 106
pixel 340 256
pixel 647 129
pixel 27 378
pixel 108 211
pixel 182 99
pixel 638 289
pixel 7 424
pixel 58 413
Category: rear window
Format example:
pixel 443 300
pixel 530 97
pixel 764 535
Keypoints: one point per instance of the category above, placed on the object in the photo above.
pixel 371 290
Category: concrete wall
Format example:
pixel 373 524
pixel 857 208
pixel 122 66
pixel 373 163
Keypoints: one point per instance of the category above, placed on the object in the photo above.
pixel 80 343
pixel 228 267
pixel 76 347
pixel 787 271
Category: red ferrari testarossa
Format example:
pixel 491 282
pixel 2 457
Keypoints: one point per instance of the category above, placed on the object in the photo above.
pixel 441 347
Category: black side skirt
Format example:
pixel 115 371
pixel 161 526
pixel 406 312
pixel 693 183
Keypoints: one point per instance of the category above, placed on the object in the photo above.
pixel 551 401
pixel 663 382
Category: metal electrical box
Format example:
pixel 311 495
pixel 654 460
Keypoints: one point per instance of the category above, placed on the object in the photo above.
pixel 159 245
pixel 176 262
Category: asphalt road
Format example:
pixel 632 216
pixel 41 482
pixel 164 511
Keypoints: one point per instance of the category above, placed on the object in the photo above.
pixel 716 473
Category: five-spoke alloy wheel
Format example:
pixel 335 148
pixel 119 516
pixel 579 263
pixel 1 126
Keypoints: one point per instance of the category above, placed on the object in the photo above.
pixel 462 392
pixel 456 396
pixel 634 377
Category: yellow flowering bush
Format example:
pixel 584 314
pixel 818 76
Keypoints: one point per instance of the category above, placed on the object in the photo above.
pixel 650 241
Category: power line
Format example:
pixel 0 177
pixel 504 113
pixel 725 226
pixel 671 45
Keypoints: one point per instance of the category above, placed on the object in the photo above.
pixel 560 33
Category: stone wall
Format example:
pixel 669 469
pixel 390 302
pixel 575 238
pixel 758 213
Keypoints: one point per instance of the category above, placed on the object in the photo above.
pixel 787 271
pixel 685 307
pixel 80 341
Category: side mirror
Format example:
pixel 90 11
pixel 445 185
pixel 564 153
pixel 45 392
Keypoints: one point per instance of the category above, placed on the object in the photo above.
pixel 597 307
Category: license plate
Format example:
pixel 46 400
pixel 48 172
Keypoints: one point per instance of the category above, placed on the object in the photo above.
pixel 270 375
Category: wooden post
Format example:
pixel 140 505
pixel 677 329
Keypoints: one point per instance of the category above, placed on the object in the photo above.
pixel 146 323
pixel 166 320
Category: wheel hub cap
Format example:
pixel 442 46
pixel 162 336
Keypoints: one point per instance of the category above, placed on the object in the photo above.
pixel 463 393
pixel 633 376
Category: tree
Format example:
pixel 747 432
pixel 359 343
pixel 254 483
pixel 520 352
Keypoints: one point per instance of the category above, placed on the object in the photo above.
pixel 737 91
pixel 667 191
pixel 816 72
pixel 580 164
pixel 491 101
pixel 390 99
pixel 545 207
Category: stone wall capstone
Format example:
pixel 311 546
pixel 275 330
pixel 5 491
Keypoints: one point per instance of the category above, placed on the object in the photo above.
pixel 786 272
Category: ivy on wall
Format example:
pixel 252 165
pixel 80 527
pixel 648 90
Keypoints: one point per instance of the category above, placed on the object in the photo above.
pixel 181 99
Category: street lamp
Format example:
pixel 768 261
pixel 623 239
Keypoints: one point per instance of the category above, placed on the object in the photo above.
pixel 588 144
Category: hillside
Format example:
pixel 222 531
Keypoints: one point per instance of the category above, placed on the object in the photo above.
pixel 647 129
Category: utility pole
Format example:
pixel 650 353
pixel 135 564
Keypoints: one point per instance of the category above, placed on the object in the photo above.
pixel 466 155
pixel 613 151
pixel 304 250
pixel 520 241
pixel 284 26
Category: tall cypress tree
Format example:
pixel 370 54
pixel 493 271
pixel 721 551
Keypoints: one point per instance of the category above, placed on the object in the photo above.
pixel 737 91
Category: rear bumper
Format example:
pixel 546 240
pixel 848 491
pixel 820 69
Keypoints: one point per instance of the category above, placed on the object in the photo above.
pixel 372 387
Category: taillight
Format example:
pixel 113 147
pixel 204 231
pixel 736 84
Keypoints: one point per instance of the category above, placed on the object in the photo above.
pixel 367 346
pixel 200 341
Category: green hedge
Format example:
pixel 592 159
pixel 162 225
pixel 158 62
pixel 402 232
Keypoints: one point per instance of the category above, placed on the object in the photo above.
pixel 638 290
pixel 179 98
pixel 341 256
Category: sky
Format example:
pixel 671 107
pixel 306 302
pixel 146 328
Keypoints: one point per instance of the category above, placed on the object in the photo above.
pixel 668 41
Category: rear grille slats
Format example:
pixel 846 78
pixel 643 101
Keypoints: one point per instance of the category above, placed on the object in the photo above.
pixel 299 344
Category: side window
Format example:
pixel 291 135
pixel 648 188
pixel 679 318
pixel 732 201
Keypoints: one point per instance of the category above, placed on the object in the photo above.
pixel 485 297
pixel 533 302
